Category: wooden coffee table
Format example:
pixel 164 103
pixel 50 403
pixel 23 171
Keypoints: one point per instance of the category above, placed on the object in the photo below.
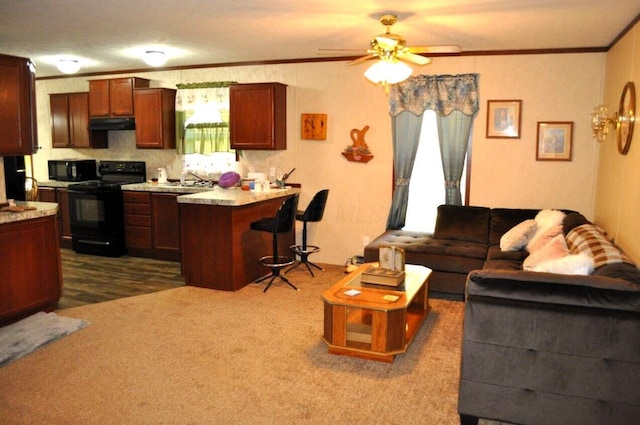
pixel 379 322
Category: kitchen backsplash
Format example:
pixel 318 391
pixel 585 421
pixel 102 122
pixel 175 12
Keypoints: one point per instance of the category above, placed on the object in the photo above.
pixel 122 146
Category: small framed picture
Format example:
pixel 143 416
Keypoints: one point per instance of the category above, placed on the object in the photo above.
pixel 314 126
pixel 503 119
pixel 555 141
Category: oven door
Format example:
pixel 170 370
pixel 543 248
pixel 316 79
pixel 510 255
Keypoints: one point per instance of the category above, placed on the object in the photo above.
pixel 97 220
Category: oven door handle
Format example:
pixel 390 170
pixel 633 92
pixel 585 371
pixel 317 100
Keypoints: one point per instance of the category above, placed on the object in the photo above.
pixel 90 242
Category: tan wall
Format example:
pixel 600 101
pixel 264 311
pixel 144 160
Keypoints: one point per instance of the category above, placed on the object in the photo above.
pixel 504 174
pixel 618 193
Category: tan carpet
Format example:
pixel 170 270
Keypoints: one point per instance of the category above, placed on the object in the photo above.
pixel 199 356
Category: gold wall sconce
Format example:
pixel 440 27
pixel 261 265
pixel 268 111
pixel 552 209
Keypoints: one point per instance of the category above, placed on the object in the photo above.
pixel 622 121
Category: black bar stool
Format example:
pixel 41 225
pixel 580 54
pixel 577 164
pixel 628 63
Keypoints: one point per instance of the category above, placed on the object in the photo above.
pixel 314 212
pixel 283 222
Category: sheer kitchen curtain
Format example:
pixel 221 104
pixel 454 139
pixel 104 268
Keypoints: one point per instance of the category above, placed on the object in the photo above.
pixel 202 117
pixel 454 98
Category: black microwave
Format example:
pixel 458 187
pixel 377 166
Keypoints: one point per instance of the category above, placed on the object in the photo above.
pixel 73 170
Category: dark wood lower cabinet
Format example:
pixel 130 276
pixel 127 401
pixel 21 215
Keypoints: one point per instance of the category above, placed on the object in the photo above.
pixel 165 226
pixel 31 267
pixel 152 225
pixel 61 197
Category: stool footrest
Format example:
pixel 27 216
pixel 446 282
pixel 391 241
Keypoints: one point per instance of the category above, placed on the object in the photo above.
pixel 276 262
pixel 300 250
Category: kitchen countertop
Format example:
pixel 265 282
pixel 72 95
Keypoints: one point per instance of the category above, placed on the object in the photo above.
pixel 234 197
pixel 165 187
pixel 55 183
pixel 42 209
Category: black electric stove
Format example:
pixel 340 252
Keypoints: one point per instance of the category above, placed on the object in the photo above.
pixel 96 209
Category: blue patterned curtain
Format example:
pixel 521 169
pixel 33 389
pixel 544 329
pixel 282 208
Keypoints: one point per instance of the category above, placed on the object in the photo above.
pixel 440 93
pixel 444 94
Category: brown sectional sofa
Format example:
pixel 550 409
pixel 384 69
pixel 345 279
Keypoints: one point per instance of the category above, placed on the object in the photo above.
pixel 538 348
pixel 465 239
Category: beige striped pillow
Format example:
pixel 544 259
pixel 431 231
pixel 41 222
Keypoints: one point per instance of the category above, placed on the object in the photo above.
pixel 589 238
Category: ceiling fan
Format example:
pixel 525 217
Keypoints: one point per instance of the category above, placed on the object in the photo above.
pixel 392 47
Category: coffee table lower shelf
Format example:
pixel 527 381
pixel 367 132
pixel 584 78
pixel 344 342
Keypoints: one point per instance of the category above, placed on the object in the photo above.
pixel 370 325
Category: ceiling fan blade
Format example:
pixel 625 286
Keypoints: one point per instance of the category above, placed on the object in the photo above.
pixel 435 49
pixel 362 59
pixel 412 57
pixel 351 52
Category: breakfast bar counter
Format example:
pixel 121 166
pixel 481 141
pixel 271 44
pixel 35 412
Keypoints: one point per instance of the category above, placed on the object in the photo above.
pixel 218 248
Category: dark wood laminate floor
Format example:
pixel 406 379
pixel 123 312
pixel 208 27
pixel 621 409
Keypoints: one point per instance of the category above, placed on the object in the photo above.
pixel 92 279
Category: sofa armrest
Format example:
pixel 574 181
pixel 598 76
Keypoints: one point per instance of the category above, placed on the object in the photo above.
pixel 549 288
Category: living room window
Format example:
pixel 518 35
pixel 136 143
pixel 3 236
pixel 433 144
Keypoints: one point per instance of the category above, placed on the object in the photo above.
pixel 426 188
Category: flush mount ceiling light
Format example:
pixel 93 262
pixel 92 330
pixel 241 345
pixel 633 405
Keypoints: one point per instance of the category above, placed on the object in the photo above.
pixel 385 72
pixel 68 66
pixel 154 58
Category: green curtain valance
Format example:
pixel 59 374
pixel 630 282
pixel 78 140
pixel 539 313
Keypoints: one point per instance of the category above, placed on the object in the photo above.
pixel 205 85
pixel 208 125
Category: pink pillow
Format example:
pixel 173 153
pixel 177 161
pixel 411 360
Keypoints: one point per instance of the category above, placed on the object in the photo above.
pixel 554 249
pixel 545 237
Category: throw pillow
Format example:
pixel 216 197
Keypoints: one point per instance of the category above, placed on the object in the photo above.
pixel 544 238
pixel 569 264
pixel 517 237
pixel 554 249
pixel 545 220
pixel 590 239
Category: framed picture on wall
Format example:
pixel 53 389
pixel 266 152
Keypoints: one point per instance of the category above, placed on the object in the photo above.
pixel 314 126
pixel 554 141
pixel 503 119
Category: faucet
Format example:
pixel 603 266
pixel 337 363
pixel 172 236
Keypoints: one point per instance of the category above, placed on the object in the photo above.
pixel 200 179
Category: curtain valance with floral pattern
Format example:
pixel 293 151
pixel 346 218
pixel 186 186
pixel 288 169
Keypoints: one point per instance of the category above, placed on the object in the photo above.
pixel 440 93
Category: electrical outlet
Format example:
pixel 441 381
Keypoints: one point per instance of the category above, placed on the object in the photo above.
pixel 365 240
pixel 272 171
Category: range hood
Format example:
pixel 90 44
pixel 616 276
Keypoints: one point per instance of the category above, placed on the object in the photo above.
pixel 112 124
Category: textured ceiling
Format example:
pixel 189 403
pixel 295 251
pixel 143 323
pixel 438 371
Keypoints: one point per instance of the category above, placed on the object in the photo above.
pixel 109 35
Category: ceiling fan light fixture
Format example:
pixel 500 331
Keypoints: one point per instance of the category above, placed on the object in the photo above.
pixel 154 58
pixel 388 72
pixel 68 66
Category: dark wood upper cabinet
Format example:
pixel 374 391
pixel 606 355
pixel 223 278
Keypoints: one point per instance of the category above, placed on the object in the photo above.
pixel 155 118
pixel 70 121
pixel 113 97
pixel 258 116
pixel 18 128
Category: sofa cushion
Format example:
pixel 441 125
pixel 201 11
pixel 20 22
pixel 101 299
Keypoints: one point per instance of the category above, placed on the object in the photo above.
pixel 409 241
pixel 625 271
pixel 495 253
pixel 591 239
pixel 503 219
pixel 461 223
pixel 503 264
pixel 517 237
